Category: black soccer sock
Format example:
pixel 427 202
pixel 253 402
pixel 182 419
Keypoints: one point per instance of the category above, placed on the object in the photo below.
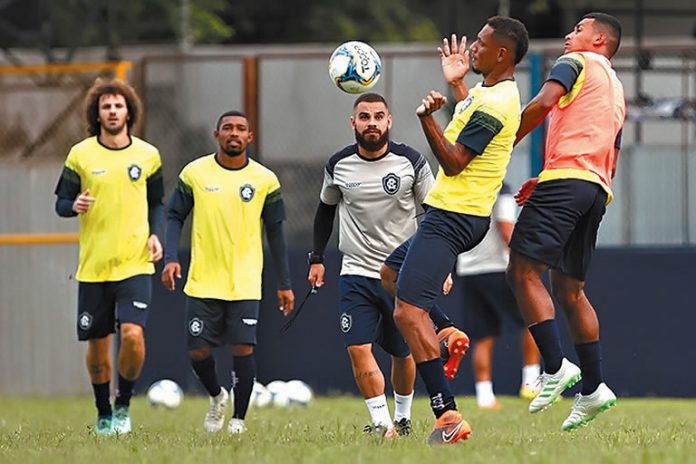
pixel 125 391
pixel 101 398
pixel 205 371
pixel 243 377
pixel 441 397
pixel 440 319
pixel 590 356
pixel 548 340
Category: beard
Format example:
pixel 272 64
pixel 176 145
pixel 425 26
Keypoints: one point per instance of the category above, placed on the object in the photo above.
pixel 232 151
pixel 113 130
pixel 372 145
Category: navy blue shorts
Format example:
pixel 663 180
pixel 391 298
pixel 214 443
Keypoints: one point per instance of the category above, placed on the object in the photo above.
pixel 558 225
pixel 488 302
pixel 367 315
pixel 103 305
pixel 441 236
pixel 212 323
pixel 396 259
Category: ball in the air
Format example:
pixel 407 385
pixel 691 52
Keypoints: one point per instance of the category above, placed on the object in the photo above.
pixel 355 67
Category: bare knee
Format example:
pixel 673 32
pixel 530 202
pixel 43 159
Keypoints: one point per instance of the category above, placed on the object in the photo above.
pixel 567 291
pixel 199 354
pixel 131 335
pixel 388 277
pixel 242 350
pixel 359 352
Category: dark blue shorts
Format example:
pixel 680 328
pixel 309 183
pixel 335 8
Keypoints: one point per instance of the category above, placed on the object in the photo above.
pixel 103 305
pixel 211 323
pixel 488 302
pixel 441 236
pixel 396 259
pixel 558 225
pixel 367 315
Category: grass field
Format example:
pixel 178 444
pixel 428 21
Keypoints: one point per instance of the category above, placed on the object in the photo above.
pixel 329 431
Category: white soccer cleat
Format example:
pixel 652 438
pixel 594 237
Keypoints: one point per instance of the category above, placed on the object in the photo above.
pixel 215 418
pixel 550 386
pixel 121 422
pixel 236 426
pixel 586 407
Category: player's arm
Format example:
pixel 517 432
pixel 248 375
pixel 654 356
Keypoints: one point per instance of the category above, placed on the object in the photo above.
pixel 179 207
pixel 323 226
pixel 67 190
pixel 273 215
pixel 155 213
pixel 561 80
pixel 424 180
pixel 454 59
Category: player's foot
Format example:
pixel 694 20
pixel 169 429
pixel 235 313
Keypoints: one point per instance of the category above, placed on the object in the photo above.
pixel 403 426
pixel 384 431
pixel 552 385
pixel 215 418
pixel 453 346
pixel 527 392
pixel 236 426
pixel 494 406
pixel 121 421
pixel 449 428
pixel 104 426
pixel 586 407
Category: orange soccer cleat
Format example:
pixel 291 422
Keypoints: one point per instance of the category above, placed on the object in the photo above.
pixel 454 344
pixel 449 428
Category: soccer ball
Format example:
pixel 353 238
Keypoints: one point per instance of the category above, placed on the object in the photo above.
pixel 355 67
pixel 165 393
pixel 298 392
pixel 279 394
pixel 260 396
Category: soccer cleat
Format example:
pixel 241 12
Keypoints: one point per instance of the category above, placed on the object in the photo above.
pixel 551 386
pixel 403 426
pixel 121 421
pixel 449 428
pixel 236 426
pixel 494 406
pixel 527 392
pixel 453 346
pixel 104 426
pixel 215 418
pixel 381 430
pixel 586 407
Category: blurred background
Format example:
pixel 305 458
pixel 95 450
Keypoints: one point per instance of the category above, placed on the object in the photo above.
pixel 191 60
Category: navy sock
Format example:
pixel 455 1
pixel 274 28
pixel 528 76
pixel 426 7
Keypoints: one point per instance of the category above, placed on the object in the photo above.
pixel 590 356
pixel 125 391
pixel 548 340
pixel 205 370
pixel 101 398
pixel 243 377
pixel 441 397
pixel 440 319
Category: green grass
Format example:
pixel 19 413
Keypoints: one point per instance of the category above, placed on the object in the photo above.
pixel 329 431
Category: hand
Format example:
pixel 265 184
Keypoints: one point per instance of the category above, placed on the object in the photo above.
pixel 454 60
pixel 526 190
pixel 286 301
pixel 431 103
pixel 83 202
pixel 171 270
pixel 155 248
pixel 316 275
pixel 447 285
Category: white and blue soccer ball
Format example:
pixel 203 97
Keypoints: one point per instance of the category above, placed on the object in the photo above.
pixel 279 394
pixel 165 394
pixel 355 67
pixel 260 396
pixel 299 393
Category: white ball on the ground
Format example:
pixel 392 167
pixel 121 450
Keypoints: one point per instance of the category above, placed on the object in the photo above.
pixel 299 392
pixel 260 396
pixel 279 394
pixel 165 393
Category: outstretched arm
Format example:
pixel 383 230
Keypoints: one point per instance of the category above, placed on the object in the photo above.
pixel 537 109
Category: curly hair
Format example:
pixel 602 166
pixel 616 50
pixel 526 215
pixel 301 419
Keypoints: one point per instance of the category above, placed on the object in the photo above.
pixel 110 87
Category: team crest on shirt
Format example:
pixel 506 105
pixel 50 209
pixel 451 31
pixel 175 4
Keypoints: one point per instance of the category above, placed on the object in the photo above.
pixel 246 192
pixel 391 183
pixel 195 327
pixel 134 172
pixel 85 321
pixel 346 322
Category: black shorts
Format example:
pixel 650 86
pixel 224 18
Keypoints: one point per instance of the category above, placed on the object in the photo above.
pixel 488 303
pixel 103 305
pixel 558 225
pixel 212 323
pixel 441 236
pixel 367 315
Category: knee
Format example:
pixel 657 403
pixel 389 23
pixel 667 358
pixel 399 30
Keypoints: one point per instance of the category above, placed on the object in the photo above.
pixel 359 352
pixel 131 335
pixel 242 350
pixel 200 354
pixel 568 296
pixel 404 317
pixel 388 277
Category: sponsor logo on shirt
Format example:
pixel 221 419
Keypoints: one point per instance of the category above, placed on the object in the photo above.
pixel 467 103
pixel 351 185
pixel 212 188
pixel 98 172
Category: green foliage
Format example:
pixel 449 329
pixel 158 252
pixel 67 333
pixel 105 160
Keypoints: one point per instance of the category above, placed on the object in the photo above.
pixel 329 431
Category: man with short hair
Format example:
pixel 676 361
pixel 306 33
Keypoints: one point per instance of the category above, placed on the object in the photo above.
pixel 563 207
pixel 233 199
pixel 113 181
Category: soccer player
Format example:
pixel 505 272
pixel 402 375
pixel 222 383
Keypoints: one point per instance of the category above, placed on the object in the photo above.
pixel 473 153
pixel 377 185
pixel 233 199
pixel 563 207
pixel 490 301
pixel 113 181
